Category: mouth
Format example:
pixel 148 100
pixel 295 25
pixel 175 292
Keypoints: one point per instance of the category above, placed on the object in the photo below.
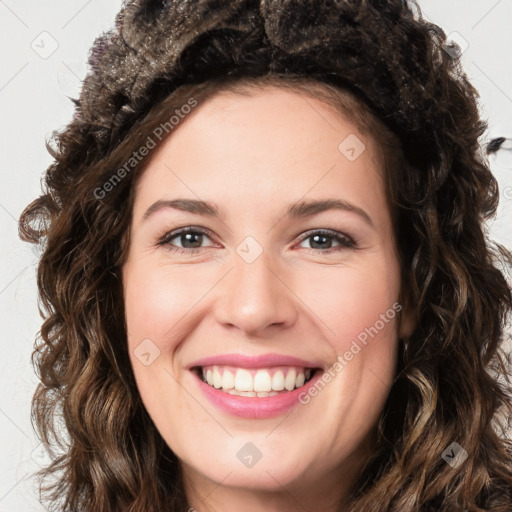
pixel 255 382
pixel 252 387
pixel 233 390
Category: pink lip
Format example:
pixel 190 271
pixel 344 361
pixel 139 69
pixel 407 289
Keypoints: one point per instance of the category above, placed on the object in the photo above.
pixel 263 361
pixel 255 407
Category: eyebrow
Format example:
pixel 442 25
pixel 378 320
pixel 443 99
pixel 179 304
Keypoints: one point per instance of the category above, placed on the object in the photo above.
pixel 300 209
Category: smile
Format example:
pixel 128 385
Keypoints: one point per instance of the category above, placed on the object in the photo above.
pixel 262 382
pixel 254 386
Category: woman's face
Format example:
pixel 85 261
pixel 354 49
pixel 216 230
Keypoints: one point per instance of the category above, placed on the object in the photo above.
pixel 258 280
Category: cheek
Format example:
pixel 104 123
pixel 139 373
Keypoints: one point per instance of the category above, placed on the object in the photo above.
pixel 157 299
pixel 359 310
pixel 158 303
pixel 368 312
pixel 358 303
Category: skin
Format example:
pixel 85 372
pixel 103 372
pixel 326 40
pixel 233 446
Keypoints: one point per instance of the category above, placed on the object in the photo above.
pixel 253 155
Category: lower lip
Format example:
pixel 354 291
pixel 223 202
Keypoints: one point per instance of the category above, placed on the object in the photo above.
pixel 255 407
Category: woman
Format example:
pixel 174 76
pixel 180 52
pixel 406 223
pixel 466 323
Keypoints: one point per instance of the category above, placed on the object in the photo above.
pixel 259 369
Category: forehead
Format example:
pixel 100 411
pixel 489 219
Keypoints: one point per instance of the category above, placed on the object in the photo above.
pixel 266 142
pixel 279 108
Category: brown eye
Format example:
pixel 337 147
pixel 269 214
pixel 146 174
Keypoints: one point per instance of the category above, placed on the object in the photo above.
pixel 190 238
pixel 322 240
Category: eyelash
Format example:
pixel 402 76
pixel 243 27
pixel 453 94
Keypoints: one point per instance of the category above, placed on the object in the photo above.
pixel 345 241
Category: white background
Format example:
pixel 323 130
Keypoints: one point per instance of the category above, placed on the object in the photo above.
pixel 33 102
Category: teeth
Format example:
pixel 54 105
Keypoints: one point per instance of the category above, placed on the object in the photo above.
pixel 217 379
pixel 228 380
pixel 243 380
pixel 241 393
pixel 289 381
pixel 251 393
pixel 270 393
pixel 261 382
pixel 278 381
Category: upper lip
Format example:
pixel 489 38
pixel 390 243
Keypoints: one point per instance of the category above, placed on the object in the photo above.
pixel 261 361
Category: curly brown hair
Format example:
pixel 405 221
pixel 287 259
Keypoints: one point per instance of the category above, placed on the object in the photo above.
pixel 384 66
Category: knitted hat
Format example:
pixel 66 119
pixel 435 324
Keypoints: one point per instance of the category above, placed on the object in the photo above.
pixel 383 51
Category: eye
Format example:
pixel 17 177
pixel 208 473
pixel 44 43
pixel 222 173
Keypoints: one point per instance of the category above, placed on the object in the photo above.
pixel 321 238
pixel 190 237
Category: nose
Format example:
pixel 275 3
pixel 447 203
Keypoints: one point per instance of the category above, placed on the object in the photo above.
pixel 255 296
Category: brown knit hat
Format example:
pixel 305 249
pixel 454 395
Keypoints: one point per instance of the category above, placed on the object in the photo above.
pixel 383 51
